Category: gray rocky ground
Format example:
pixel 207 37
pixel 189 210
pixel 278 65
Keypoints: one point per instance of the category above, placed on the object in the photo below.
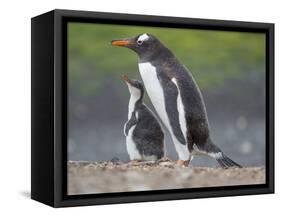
pixel 85 177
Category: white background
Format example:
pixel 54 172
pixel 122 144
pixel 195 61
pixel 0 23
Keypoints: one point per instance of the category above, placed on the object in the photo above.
pixel 15 106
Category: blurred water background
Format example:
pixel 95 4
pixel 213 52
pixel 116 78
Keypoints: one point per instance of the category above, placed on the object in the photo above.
pixel 229 68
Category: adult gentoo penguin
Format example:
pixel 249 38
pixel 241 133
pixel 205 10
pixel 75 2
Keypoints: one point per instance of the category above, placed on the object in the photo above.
pixel 144 136
pixel 176 98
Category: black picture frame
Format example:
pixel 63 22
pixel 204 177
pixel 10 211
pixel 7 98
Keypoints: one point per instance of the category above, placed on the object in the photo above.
pixel 49 108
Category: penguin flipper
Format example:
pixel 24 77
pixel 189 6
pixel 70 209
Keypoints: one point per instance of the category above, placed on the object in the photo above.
pixel 130 123
pixel 171 93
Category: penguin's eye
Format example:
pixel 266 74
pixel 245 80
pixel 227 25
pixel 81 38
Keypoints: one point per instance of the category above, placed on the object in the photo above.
pixel 139 42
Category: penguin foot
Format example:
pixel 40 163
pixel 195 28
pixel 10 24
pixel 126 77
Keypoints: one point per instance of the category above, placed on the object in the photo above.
pixel 164 159
pixel 184 163
pixel 135 162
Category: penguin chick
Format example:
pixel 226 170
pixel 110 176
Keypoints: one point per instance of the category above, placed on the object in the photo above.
pixel 144 135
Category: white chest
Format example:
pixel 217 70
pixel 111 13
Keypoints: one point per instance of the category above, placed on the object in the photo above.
pixel 154 90
pixel 131 146
pixel 131 107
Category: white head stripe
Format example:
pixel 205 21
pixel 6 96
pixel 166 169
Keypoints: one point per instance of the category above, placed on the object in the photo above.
pixel 143 37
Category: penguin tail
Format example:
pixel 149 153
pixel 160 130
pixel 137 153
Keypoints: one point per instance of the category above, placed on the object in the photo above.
pixel 224 161
pixel 213 151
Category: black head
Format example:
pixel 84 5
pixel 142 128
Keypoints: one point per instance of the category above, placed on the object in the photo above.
pixel 135 87
pixel 145 45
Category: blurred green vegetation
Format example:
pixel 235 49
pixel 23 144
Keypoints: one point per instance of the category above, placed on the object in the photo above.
pixel 212 56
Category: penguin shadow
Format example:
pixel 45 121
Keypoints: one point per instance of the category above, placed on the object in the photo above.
pixel 26 194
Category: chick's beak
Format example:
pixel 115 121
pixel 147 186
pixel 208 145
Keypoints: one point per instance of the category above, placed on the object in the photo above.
pixel 122 42
pixel 126 79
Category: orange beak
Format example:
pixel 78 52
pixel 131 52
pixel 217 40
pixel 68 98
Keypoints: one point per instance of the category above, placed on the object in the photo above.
pixel 121 43
pixel 126 78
